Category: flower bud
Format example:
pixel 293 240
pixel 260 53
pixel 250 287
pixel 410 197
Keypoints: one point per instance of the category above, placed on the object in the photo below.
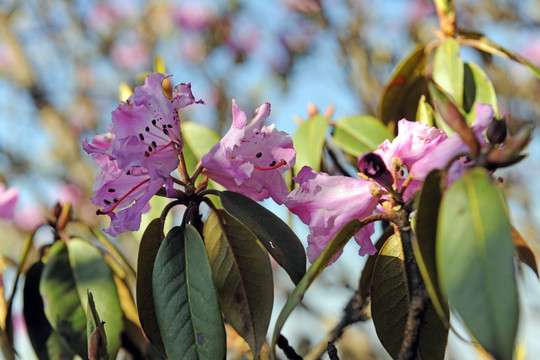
pixel 372 165
pixel 496 131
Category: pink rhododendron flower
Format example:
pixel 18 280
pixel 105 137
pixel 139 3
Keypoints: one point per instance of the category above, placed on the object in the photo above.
pixel 414 141
pixel 146 128
pixel 126 192
pixel 452 146
pixel 326 203
pixel 139 154
pixel 8 199
pixel 251 158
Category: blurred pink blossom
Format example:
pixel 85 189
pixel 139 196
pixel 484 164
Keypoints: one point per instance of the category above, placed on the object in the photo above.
pixel 8 199
pixel 305 6
pixel 70 193
pixel 130 55
pixel 194 15
pixel 29 217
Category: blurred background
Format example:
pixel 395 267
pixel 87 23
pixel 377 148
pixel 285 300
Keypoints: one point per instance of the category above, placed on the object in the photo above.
pixel 62 63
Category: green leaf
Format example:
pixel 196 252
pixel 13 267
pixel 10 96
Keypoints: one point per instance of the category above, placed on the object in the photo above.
pixel 37 325
pixel 477 90
pixel 148 248
pixel 62 303
pixel 359 134
pixel 185 298
pixel 426 234
pixel 309 136
pixel 425 113
pixel 198 140
pixel 390 304
pixel 475 261
pixel 243 277
pixel 276 236
pixel 58 348
pixel 91 272
pixel 448 69
pixel 332 248
pixel 404 89
pixel 367 273
pixel 482 43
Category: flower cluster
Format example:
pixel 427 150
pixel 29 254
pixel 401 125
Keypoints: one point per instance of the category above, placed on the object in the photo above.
pixel 138 155
pixel 141 150
pixel 326 203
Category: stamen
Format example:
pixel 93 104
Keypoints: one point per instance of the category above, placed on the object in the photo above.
pixel 271 167
pixel 100 212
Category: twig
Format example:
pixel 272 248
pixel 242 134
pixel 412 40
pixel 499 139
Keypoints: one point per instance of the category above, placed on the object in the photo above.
pixel 332 351
pixel 290 353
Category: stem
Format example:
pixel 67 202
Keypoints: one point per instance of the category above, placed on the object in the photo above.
pixel 209 192
pixel 182 169
pixel 290 353
pixel 197 172
pixel 419 296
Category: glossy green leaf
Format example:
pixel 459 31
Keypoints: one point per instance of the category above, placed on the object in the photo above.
pixel 403 91
pixel 478 89
pixel 37 325
pixel 364 286
pixel 243 277
pixel 475 261
pixel 148 248
pixel 308 137
pixel 332 248
pixel 390 305
pixel 448 69
pixel 62 303
pixel 186 302
pixel 276 236
pixel 359 134
pixel 92 273
pixel 426 234
pixel 482 43
pixel 425 113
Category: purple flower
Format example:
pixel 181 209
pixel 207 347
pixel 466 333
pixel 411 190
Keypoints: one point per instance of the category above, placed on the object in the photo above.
pixel 251 158
pixel 8 199
pixel 326 203
pixel 146 128
pixel 136 158
pixel 126 192
pixel 451 147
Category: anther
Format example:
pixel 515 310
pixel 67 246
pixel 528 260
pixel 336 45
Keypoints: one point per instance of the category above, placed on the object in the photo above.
pixel 141 137
pixel 111 190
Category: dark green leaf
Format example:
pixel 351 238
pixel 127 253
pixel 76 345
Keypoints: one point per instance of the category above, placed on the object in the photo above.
pixel 359 134
pixel 477 90
pixel 390 305
pixel 148 248
pixel 37 325
pixel 403 91
pixel 309 136
pixel 62 303
pixel 243 277
pixel 426 234
pixel 332 248
pixel 276 236
pixel 448 69
pixel 185 298
pixel 367 273
pixel 475 261
pixel 92 273
pixel 58 348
